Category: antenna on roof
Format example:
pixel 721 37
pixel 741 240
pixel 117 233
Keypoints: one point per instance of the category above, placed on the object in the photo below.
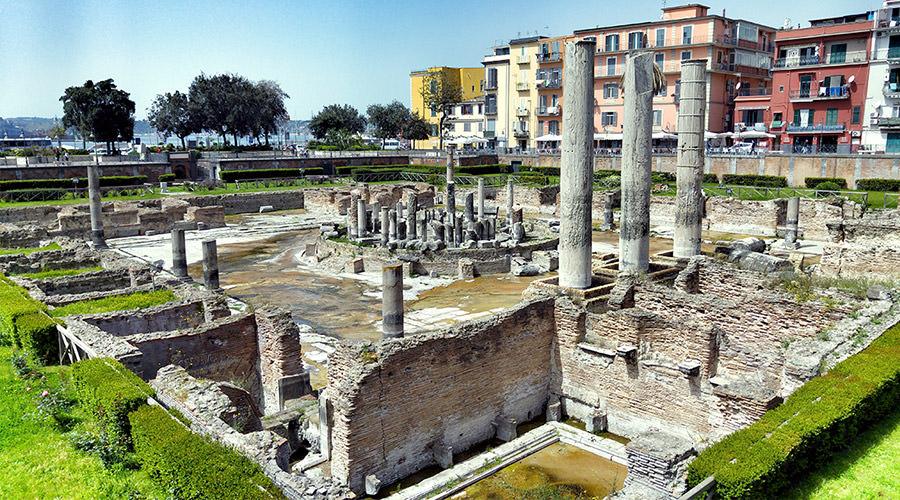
pixel 787 23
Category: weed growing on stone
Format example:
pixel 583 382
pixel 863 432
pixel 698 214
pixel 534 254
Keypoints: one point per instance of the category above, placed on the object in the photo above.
pixel 368 354
pixel 59 273
pixel 26 251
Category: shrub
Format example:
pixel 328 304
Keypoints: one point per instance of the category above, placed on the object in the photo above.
pixel 754 180
pixel 80 182
pixel 167 178
pixel 24 322
pixel 710 179
pixel 539 169
pixel 33 195
pixel 662 177
pixel 137 300
pixel 268 173
pixel 823 415
pixel 192 466
pixel 109 391
pixel 878 184
pixel 813 182
pixel 483 169
pixel 828 186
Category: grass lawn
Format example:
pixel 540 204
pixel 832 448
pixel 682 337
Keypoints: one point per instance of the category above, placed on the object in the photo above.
pixel 36 458
pixel 128 302
pixel 26 251
pixel 870 469
pixel 58 273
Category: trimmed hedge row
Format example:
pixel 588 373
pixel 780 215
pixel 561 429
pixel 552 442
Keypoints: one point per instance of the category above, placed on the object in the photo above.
pixel 754 180
pixel 192 466
pixel 269 173
pixel 110 392
pixel 878 184
pixel 813 182
pixel 80 182
pixel 24 322
pixel 167 178
pixel 817 420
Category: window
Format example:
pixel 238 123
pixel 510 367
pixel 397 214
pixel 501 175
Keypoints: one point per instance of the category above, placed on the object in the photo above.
pixel 467 127
pixel 608 118
pixel 657 117
pixel 491 125
pixel 434 131
pixel 636 40
pixel 685 55
pixel 687 35
pixel 491 78
pixel 854 115
pixel 662 89
pixel 466 109
pixel 661 37
pixel 610 66
pixel 611 91
pixel 612 43
pixel 777 119
pixel 540 129
pixel 554 127
pixel 433 111
pixel 831 116
pixel 555 47
pixel 838 53
pixel 490 104
pixel 554 100
pixel 660 59
pixel 481 126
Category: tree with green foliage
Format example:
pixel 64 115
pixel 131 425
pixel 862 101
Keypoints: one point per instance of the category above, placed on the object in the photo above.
pixel 270 113
pixel 336 117
pixel 100 110
pixel 210 103
pixel 416 129
pixel 170 114
pixel 57 131
pixel 440 93
pixel 388 120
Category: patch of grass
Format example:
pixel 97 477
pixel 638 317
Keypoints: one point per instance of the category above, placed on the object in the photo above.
pixel 37 459
pixel 869 468
pixel 58 273
pixel 30 250
pixel 138 300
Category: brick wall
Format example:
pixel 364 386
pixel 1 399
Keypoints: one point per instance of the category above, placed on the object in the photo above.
pixel 436 388
pixel 151 169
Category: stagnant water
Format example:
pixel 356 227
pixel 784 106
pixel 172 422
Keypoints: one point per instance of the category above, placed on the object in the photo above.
pixel 557 471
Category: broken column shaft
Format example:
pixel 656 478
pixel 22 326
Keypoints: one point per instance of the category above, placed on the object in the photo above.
pixel 577 167
pixel 480 198
pixel 451 206
pixel 352 216
pixel 450 166
pixel 792 222
pixel 691 153
pixel 634 232
pixel 361 218
pixel 210 265
pixel 412 229
pixel 392 301
pixel 96 208
pixel 470 207
pixel 509 201
pixel 385 224
pixel 179 253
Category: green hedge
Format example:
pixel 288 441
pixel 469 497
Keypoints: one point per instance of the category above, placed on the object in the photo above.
pixel 110 392
pixel 878 184
pixel 813 182
pixel 80 182
pixel 754 180
pixel 710 179
pixel 483 169
pixel 24 322
pixel 539 169
pixel 821 417
pixel 33 195
pixel 136 300
pixel 268 173
pixel 191 466
pixel 167 178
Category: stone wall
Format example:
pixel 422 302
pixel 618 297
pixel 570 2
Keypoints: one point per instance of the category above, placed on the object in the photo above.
pixel 209 168
pixel 151 169
pixel 395 401
pixel 866 247
pixel 240 203
pixel 795 168
pixel 157 319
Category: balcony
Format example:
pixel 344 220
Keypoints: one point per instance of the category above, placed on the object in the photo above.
pixel 489 134
pixel 776 125
pixel 490 110
pixel 892 90
pixel 818 128
pixel 752 127
pixel 757 92
pixel 549 84
pixel 522 59
pixel 548 111
pixel 548 57
pixel 522 86
pixel 823 94
pixel 891 55
pixel 521 111
pixel 746 44
pixel 833 58
pixel 489 85
pixel 520 132
pixel 891 122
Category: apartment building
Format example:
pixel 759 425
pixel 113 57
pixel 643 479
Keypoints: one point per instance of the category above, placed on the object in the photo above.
pixel 523 90
pixel 549 77
pixel 467 125
pixel 738 54
pixel 497 98
pixel 470 80
pixel 881 123
pixel 818 87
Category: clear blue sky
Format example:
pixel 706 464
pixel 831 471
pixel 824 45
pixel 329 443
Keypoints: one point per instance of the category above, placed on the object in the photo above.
pixel 321 52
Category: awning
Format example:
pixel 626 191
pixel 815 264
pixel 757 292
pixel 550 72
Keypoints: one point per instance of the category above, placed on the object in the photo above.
pixel 752 108
pixel 712 135
pixel 549 138
pixel 663 135
pixel 753 134
pixel 608 137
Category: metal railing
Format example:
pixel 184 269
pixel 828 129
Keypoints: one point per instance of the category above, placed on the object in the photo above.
pixel 821 93
pixel 549 57
pixel 858 56
pixel 818 127
pixel 554 83
pixel 58 194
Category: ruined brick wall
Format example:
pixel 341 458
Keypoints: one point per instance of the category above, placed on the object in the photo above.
pixel 240 203
pixel 224 350
pixel 278 338
pixel 156 319
pixel 541 199
pixel 394 402
pixel 869 261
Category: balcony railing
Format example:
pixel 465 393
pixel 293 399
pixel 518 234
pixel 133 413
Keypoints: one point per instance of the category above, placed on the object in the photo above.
pixel 489 85
pixel 490 110
pixel 522 86
pixel 892 90
pixel 818 127
pixel 821 94
pixel 520 132
pixel 605 72
pixel 891 54
pixel 746 44
pixel 755 127
pixel 757 92
pixel 549 84
pixel 522 59
pixel 548 57
pixel 887 121
pixel 521 111
pixel 548 110
pixel 858 56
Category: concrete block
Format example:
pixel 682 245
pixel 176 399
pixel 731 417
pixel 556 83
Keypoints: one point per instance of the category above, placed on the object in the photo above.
pixel 554 410
pixel 596 421
pixel 466 269
pixel 505 428
pixel 266 208
pixel 373 484
pixel 443 455
pixel 357 265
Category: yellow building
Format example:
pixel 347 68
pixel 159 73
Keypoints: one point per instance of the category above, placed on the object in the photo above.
pixel 471 80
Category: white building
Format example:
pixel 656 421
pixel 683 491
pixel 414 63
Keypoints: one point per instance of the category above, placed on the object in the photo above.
pixel 881 129
pixel 496 97
pixel 467 125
